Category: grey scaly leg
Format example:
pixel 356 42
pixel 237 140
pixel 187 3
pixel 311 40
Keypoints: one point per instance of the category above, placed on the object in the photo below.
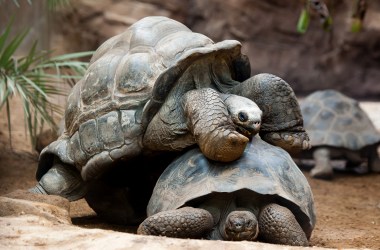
pixel 322 168
pixel 278 225
pixel 186 222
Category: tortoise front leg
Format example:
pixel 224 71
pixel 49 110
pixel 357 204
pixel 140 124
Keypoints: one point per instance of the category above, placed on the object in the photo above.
pixel 186 222
pixel 212 127
pixel 278 225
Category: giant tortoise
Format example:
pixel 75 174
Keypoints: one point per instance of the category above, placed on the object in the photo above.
pixel 339 129
pixel 159 87
pixel 262 194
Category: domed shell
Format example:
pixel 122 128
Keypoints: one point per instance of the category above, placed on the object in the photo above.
pixel 333 119
pixel 141 64
pixel 263 169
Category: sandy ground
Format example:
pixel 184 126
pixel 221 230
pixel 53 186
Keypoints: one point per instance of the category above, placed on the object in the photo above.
pixel 348 208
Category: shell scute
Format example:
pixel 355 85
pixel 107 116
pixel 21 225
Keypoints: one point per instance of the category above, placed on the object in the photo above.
pixel 73 105
pixel 88 137
pixel 128 79
pixel 76 151
pixel 99 79
pixel 333 119
pixel 263 170
pixel 110 132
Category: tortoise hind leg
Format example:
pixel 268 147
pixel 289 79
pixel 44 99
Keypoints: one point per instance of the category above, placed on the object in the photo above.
pixel 322 168
pixel 186 222
pixel 62 180
pixel 278 225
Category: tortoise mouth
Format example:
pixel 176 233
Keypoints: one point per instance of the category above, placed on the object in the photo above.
pixel 248 234
pixel 240 228
pixel 248 132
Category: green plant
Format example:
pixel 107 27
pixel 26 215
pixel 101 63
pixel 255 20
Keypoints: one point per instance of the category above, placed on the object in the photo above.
pixel 34 78
pixel 320 9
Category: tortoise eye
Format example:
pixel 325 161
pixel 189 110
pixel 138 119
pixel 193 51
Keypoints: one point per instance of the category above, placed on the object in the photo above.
pixel 243 117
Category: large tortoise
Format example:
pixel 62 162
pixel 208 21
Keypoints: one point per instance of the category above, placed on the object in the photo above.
pixel 339 129
pixel 159 87
pixel 262 194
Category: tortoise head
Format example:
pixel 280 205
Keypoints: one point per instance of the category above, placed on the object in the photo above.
pixel 241 225
pixel 245 114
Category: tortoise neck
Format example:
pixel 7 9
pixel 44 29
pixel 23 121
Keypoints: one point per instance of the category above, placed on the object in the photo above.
pixel 221 76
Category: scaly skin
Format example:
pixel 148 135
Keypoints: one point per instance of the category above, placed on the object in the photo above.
pixel 220 124
pixel 278 225
pixel 186 222
pixel 212 127
pixel 275 224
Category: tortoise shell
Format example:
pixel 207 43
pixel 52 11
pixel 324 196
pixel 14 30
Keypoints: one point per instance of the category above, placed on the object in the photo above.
pixel 333 119
pixel 141 64
pixel 128 80
pixel 263 169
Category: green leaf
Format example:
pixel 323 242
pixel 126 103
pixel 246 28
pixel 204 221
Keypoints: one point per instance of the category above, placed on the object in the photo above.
pixel 35 79
pixel 55 4
pixel 11 48
pixel 27 61
pixel 37 88
pixel 71 56
pixel 327 24
pixel 4 35
pixel 303 21
pixel 356 25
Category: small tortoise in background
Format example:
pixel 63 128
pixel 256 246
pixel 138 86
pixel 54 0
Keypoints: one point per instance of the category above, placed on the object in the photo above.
pixel 159 87
pixel 339 129
pixel 261 195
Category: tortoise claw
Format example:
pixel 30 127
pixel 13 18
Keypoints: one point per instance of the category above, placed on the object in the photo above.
pixel 293 142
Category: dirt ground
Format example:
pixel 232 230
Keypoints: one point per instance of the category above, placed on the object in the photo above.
pixel 348 208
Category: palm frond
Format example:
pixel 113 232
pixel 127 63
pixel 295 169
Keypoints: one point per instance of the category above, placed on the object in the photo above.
pixel 34 79
pixel 55 4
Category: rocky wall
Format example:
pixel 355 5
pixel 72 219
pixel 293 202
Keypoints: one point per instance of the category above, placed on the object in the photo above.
pixel 318 59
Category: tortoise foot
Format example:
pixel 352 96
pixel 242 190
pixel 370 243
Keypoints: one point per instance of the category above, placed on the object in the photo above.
pixel 278 225
pixel 293 142
pixel 322 172
pixel 186 222
pixel 322 169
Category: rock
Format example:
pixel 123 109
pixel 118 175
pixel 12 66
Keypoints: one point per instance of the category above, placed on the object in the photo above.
pixel 52 208
pixel 35 232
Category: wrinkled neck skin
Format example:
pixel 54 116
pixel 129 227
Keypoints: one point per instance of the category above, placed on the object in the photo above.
pixel 221 76
pixel 212 72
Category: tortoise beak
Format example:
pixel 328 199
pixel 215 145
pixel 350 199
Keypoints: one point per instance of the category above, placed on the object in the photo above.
pixel 249 130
